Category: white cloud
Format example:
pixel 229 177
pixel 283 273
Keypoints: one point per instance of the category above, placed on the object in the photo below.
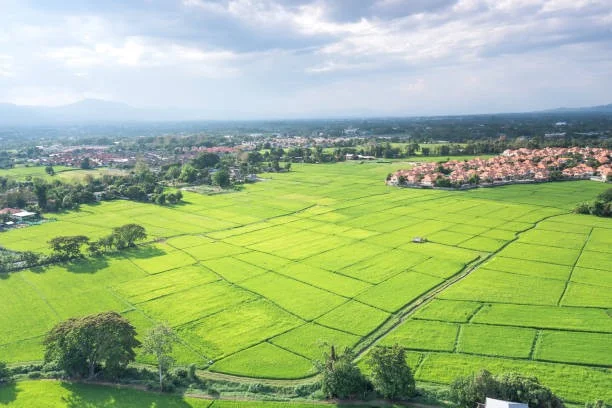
pixel 6 66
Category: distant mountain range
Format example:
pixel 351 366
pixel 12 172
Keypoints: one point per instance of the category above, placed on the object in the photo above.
pixel 599 108
pixel 96 111
pixel 89 110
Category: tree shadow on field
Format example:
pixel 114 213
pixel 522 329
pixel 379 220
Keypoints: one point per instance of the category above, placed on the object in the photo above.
pixel 89 265
pixel 93 396
pixel 8 393
pixel 141 252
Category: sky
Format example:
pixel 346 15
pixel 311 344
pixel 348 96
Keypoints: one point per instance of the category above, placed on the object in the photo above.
pixel 247 59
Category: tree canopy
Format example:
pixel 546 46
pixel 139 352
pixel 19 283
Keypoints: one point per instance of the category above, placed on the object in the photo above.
pixel 390 374
pixel 83 346
pixel 159 342
pixel 341 376
pixel 468 391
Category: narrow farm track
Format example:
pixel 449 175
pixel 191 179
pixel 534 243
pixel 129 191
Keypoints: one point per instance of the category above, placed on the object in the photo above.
pixel 385 328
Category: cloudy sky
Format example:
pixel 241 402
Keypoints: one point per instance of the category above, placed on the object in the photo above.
pixel 304 58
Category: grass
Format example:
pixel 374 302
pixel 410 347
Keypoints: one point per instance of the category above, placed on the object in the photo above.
pixel 59 394
pixel 325 253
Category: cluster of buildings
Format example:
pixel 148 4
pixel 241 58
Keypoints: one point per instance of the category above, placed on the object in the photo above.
pixel 14 217
pixel 520 165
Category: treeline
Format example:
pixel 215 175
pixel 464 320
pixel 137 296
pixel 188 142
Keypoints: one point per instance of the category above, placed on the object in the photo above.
pixel 67 248
pixel 601 206
pixel 102 346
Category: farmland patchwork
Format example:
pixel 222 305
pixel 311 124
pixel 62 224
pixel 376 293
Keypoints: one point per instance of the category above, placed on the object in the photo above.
pixel 256 283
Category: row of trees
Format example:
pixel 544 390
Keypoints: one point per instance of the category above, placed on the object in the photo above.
pixel 71 247
pixel 104 344
pixel 390 376
pixel 601 206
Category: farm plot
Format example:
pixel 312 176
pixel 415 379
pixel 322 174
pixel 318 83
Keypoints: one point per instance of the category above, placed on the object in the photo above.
pixel 343 318
pixel 265 360
pixel 424 335
pixel 257 279
pixel 495 340
pixel 448 310
pixel 545 317
pixel 493 286
pixel 398 291
pixel 237 328
pixel 304 300
pixel 311 340
pixel 575 347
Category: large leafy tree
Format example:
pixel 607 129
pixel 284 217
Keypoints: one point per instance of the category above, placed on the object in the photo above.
pixel 390 374
pixel 82 346
pixel 222 178
pixel 127 235
pixel 341 376
pixel 5 373
pixel 68 247
pixel 468 391
pixel 159 342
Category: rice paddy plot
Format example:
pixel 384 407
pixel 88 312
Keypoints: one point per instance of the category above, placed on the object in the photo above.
pixel 312 340
pixel 578 294
pixel 484 244
pixel 382 266
pixel 197 302
pixel 163 284
pixel 188 241
pixel 596 260
pixel 541 253
pixel 448 310
pixel 545 317
pixel 575 347
pixel 493 286
pixel 553 238
pixel 529 268
pixel 299 298
pixel 214 250
pixel 354 317
pixel 492 340
pixel 441 268
pixel 330 281
pixel 339 258
pixel 446 252
pixel 396 292
pixel 592 276
pixel 265 360
pixel 448 237
pixel 237 328
pixel 164 262
pixel 423 335
pixel 233 270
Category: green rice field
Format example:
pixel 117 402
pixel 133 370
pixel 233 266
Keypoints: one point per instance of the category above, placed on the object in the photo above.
pixel 258 283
